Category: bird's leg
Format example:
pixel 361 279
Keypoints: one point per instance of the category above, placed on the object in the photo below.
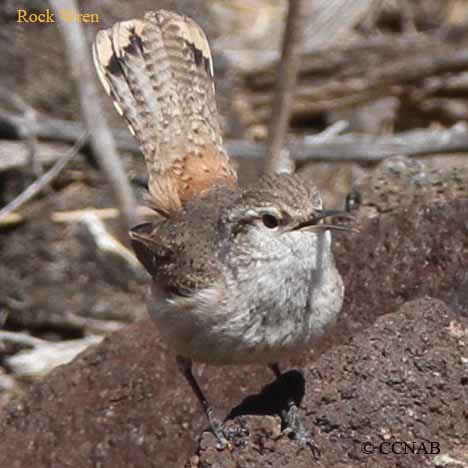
pixel 276 370
pixel 185 366
pixel 292 421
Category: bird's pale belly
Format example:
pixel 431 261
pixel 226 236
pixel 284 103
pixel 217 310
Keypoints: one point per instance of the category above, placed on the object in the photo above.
pixel 207 328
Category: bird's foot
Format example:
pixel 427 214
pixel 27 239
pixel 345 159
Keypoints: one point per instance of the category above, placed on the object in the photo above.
pixel 217 429
pixel 294 428
pixel 227 435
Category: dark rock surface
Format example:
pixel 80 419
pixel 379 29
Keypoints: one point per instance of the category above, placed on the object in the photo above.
pixel 402 255
pixel 403 377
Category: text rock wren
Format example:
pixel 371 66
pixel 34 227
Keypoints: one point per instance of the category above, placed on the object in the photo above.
pixel 240 275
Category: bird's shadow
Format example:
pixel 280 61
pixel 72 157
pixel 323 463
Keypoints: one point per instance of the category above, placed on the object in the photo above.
pixel 274 398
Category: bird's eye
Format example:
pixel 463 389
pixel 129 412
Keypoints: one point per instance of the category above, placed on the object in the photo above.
pixel 270 221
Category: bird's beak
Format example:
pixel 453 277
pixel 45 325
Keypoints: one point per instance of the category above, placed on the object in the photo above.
pixel 315 223
pixel 335 214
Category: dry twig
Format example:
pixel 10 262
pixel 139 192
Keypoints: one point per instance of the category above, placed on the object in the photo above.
pixel 278 159
pixel 101 213
pixel 348 147
pixel 44 355
pixel 362 147
pixel 101 139
pixel 15 154
pixel 104 242
pixel 28 129
pixel 44 180
pixel 10 220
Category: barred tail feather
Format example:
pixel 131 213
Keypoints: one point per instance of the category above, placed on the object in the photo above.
pixel 159 73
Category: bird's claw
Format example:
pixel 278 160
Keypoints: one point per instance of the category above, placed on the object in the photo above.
pixel 294 428
pixel 217 429
pixel 227 436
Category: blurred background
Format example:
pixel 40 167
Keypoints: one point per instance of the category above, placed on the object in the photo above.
pixel 378 78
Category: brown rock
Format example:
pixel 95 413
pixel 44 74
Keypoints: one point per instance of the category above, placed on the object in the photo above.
pixel 402 255
pixel 402 380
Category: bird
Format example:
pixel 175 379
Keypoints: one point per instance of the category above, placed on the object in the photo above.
pixel 239 275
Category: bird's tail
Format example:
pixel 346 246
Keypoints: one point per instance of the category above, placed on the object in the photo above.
pixel 159 72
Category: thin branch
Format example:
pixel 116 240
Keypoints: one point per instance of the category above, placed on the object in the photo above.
pixel 278 159
pixel 74 216
pixel 65 321
pixel 15 154
pixel 44 180
pixel 28 129
pixel 348 147
pixel 16 101
pixel 362 147
pixel 106 243
pixel 331 131
pixel 367 54
pixel 10 220
pixel 101 139
pixel 46 355
pixel 339 91
pixel 50 128
pixel 21 338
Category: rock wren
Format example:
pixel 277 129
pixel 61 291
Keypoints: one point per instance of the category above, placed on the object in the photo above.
pixel 240 275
